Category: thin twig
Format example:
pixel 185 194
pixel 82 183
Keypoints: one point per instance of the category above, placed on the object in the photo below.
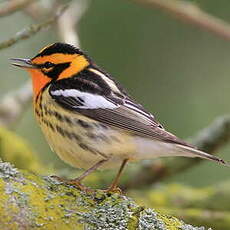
pixel 31 30
pixel 13 105
pixel 191 13
pixel 42 9
pixel 12 6
pixel 209 140
pixel 67 24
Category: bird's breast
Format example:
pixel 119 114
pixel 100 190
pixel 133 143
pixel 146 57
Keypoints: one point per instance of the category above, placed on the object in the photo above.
pixel 79 140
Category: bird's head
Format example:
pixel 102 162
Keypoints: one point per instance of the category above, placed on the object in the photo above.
pixel 53 62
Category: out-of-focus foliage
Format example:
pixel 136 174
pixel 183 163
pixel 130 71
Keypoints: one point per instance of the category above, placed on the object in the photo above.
pixel 17 151
pixel 208 206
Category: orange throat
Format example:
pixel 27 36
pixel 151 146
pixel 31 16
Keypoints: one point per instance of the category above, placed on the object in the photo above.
pixel 39 81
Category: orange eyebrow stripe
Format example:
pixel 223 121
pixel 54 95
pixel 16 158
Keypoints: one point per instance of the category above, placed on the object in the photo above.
pixel 55 58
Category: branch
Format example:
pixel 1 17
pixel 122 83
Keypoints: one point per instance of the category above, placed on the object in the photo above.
pixel 18 100
pixel 31 30
pixel 197 205
pixel 32 202
pixel 190 13
pixel 12 6
pixel 42 9
pixel 209 140
pixel 68 22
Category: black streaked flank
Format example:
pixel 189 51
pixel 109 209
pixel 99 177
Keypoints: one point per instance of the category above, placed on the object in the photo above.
pixel 67 120
pixel 67 134
pixel 92 150
pixel 48 124
pixel 98 137
pixel 84 124
pixel 37 112
pixel 60 130
pixel 57 115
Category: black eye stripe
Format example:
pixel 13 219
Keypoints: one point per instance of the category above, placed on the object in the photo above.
pixel 46 65
pixel 56 70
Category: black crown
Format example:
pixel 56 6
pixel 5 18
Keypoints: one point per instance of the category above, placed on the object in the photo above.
pixel 60 48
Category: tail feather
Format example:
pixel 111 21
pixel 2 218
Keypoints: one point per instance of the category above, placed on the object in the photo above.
pixel 198 153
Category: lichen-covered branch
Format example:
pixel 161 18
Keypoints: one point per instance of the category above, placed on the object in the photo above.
pixel 32 202
pixel 191 13
pixel 209 140
pixel 31 30
pixel 10 7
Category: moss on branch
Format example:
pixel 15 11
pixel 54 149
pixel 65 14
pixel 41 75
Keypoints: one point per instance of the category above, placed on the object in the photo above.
pixel 29 201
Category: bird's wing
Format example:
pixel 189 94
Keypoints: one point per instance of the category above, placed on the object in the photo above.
pixel 113 111
pixel 120 112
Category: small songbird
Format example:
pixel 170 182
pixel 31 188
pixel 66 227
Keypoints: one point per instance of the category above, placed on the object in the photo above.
pixel 88 118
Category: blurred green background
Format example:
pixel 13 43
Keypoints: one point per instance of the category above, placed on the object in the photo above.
pixel 178 72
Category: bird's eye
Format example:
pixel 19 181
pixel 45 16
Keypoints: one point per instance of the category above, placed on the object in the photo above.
pixel 48 65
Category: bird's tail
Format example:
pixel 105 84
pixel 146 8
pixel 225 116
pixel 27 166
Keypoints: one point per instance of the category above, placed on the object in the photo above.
pixel 198 153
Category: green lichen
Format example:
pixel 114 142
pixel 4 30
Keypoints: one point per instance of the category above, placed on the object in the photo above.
pixel 149 220
pixel 7 171
pixel 32 202
pixel 190 227
pixel 108 214
pixel 170 222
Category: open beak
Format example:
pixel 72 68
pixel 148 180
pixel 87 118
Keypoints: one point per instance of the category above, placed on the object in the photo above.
pixel 23 63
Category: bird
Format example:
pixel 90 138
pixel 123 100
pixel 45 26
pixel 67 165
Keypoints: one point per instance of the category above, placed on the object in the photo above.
pixel 89 119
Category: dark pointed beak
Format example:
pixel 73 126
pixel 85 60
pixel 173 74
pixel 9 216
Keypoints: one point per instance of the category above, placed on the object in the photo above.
pixel 23 63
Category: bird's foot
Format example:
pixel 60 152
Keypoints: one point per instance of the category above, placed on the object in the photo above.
pixel 80 186
pixel 113 189
pixel 74 182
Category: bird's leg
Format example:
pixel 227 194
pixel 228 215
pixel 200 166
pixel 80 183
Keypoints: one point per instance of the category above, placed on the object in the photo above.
pixel 113 186
pixel 77 181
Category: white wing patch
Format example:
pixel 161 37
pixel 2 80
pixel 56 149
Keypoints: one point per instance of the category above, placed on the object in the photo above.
pixel 89 101
pixel 135 108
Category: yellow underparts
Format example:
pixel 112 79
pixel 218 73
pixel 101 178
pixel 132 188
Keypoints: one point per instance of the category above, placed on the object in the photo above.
pixel 81 141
